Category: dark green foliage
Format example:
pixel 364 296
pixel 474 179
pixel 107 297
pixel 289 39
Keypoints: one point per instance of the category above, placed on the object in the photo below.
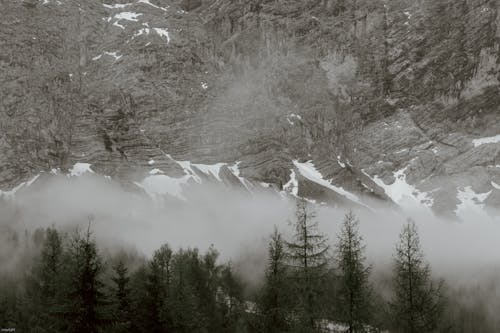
pixel 354 290
pixel 275 300
pixel 417 304
pixel 84 297
pixel 121 322
pixel 44 292
pixel 308 261
pixel 61 289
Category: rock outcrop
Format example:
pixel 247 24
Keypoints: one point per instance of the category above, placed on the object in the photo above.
pixel 392 101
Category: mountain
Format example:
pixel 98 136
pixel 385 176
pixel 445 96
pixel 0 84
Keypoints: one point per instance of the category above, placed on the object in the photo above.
pixel 343 102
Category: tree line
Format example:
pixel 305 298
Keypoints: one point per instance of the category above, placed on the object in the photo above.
pixel 310 285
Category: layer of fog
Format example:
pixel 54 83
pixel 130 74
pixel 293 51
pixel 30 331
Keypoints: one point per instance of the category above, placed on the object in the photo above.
pixel 238 225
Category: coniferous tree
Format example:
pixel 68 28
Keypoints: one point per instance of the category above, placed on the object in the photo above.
pixel 121 280
pixel 417 303
pixel 84 298
pixel 158 285
pixel 274 301
pixel 186 314
pixel 43 285
pixel 354 289
pixel 307 253
pixel 230 300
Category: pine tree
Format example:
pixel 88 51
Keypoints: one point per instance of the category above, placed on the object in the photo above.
pixel 417 303
pixel 85 297
pixel 43 289
pixel 307 253
pixel 354 290
pixel 230 300
pixel 186 314
pixel 158 286
pixel 121 280
pixel 274 301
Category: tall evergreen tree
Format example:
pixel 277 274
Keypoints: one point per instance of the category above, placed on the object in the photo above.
pixel 354 289
pixel 43 289
pixel 158 286
pixel 417 303
pixel 85 298
pixel 274 302
pixel 308 257
pixel 121 280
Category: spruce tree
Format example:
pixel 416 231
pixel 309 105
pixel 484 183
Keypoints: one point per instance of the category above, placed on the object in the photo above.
pixel 85 298
pixel 275 298
pixel 354 289
pixel 308 258
pixel 121 281
pixel 158 290
pixel 43 285
pixel 417 303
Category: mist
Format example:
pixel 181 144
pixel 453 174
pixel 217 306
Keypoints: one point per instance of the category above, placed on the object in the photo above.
pixel 238 225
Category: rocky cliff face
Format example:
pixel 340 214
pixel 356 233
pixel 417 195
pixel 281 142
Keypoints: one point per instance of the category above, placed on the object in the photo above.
pixel 391 101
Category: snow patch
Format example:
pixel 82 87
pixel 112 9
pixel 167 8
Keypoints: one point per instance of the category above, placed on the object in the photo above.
pixel 495 185
pixel 79 169
pixel 163 33
pixel 309 171
pixel 111 54
pixel 342 165
pixel 401 192
pixel 158 185
pixel 147 2
pixel 127 16
pixel 470 202
pixel 487 140
pixel 116 6
pixel 292 186
pixel 235 170
pixel 210 169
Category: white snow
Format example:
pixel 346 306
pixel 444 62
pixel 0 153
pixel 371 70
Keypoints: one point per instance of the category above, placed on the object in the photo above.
pixel 401 192
pixel 151 162
pixel 155 172
pixel 235 169
pixel 293 116
pixel 204 85
pixel 495 185
pixel 80 169
pixel 118 5
pixel 10 194
pixel 111 54
pixel 143 31
pixel 483 141
pixel 163 33
pixel 210 169
pixel 158 185
pixel 309 171
pixel 470 202
pixel 147 2
pixel 293 185
pixel 32 180
pixel 342 165
pixel 129 16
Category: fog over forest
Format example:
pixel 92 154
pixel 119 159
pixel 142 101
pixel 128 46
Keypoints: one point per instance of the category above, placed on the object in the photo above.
pixel 238 224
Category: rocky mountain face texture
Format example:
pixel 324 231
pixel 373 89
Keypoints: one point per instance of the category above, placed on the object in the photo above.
pixel 340 101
